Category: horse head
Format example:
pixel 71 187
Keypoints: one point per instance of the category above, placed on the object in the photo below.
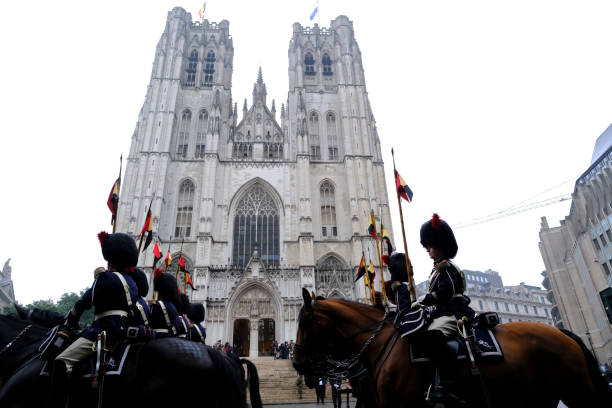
pixel 311 339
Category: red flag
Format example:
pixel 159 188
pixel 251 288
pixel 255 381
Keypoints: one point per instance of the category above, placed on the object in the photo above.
pixel 157 254
pixel 148 228
pixel 402 188
pixel 182 264
pixel 113 199
pixel 188 280
pixel 361 270
pixel 168 259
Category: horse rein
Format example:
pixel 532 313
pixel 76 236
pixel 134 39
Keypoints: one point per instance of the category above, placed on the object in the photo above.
pixel 9 344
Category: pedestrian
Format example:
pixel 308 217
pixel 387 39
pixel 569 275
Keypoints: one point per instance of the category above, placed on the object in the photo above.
pixel 320 390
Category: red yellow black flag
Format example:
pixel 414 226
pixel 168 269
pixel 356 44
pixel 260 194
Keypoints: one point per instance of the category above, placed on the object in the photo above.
pixel 362 269
pixel 372 226
pixel 113 200
pixel 402 188
pixel 157 254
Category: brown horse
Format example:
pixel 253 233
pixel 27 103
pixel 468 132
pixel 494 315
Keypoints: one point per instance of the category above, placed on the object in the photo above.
pixel 541 366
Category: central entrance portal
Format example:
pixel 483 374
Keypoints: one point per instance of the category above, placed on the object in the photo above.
pixel 242 337
pixel 265 334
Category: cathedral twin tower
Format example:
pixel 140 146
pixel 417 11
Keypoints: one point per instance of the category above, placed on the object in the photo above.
pixel 258 207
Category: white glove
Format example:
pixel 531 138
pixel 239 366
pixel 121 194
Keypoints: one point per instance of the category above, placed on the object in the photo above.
pixel 416 305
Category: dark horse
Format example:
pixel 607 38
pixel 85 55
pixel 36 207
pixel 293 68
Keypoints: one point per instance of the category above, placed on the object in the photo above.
pixel 542 365
pixel 161 373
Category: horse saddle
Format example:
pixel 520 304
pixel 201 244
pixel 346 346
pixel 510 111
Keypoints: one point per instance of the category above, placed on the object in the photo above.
pixel 484 346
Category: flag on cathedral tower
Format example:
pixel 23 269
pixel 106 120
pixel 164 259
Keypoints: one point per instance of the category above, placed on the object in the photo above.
pixel 168 259
pixel 371 272
pixel 372 226
pixel 402 188
pixel 202 11
pixel 362 268
pixel 157 254
pixel 386 240
pixel 188 280
pixel 148 228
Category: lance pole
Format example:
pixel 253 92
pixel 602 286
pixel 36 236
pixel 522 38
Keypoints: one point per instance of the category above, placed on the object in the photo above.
pixel 367 276
pixel 380 263
pixel 365 290
pixel 413 297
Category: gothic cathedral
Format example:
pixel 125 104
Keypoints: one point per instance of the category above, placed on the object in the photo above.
pixel 265 204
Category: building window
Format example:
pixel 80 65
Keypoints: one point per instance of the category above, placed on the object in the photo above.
pixel 273 151
pixel 332 138
pixel 516 308
pixel 328 210
pixel 256 223
pixel 309 64
pixel 609 234
pixel 209 69
pixel 183 136
pixel 507 307
pixel 546 312
pixel 192 66
pixel 201 135
pixel 327 71
pixel 184 209
pixel 606 269
pixel 313 132
pixel 596 243
pixel 496 305
pixel 330 271
pixel 526 309
pixel 242 150
pixel 603 239
pixel 535 310
pixel 480 305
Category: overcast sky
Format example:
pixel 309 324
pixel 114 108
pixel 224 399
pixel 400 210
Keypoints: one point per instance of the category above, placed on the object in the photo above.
pixel 487 103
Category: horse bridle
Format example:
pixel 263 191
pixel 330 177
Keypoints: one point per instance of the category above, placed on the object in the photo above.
pixel 10 343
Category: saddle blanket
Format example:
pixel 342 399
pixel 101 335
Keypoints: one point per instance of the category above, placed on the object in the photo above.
pixel 86 368
pixel 486 347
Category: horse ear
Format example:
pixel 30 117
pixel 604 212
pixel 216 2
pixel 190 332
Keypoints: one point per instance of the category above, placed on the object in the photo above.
pixel 307 298
pixel 313 295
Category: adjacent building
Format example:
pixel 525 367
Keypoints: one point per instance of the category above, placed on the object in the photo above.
pixel 264 200
pixel 578 255
pixel 512 303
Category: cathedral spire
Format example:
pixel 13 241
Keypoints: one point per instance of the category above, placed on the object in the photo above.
pixel 273 108
pixel 259 90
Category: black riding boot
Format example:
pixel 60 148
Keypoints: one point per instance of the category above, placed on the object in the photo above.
pixel 58 392
pixel 436 343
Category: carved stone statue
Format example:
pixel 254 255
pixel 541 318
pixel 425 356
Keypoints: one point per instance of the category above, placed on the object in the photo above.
pixel 7 269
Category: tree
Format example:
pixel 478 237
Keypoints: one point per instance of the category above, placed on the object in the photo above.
pixel 62 306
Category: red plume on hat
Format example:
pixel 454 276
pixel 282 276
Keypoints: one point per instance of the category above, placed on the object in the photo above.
pixel 436 233
pixel 102 236
pixel 385 259
pixel 157 273
pixel 436 222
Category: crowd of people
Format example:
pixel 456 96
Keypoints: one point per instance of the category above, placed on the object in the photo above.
pixel 283 351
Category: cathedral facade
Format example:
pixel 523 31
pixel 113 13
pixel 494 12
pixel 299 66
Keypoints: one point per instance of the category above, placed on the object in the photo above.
pixel 263 204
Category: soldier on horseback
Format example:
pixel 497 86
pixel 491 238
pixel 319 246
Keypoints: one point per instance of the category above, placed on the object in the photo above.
pixel 112 296
pixel 164 312
pixel 445 297
pixel 182 323
pixel 196 315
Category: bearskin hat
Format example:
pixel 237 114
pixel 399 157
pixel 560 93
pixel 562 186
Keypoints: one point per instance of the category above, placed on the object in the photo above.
pixel 196 312
pixel 119 249
pixel 141 282
pixel 165 284
pixel 183 307
pixel 437 234
pixel 397 267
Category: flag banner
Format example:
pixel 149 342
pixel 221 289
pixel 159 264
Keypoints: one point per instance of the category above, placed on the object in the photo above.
pixel 372 226
pixel 113 200
pixel 182 264
pixel 148 228
pixel 157 254
pixel 361 270
pixel 386 240
pixel 202 11
pixel 188 280
pixel 314 13
pixel 371 272
pixel 168 259
pixel 402 188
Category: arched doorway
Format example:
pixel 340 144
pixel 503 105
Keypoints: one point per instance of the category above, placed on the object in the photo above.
pixel 242 337
pixel 266 336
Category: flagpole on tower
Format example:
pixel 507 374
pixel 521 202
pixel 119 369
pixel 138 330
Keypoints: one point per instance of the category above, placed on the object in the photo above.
pixel 413 296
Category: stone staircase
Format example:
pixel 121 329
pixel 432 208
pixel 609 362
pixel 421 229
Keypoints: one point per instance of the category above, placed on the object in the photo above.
pixel 277 382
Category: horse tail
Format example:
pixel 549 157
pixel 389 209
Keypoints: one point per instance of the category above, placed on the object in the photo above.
pixel 253 379
pixel 602 389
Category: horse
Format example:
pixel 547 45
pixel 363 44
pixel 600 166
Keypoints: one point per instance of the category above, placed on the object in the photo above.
pixel 542 365
pixel 160 373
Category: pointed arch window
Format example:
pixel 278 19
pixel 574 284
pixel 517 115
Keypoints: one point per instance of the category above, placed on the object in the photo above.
pixel 332 138
pixel 256 223
pixel 273 151
pixel 242 150
pixel 309 64
pixel 200 147
pixel 184 209
pixel 332 273
pixel 328 210
pixel 327 70
pixel 190 71
pixel 182 143
pixel 209 69
pixel 313 132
